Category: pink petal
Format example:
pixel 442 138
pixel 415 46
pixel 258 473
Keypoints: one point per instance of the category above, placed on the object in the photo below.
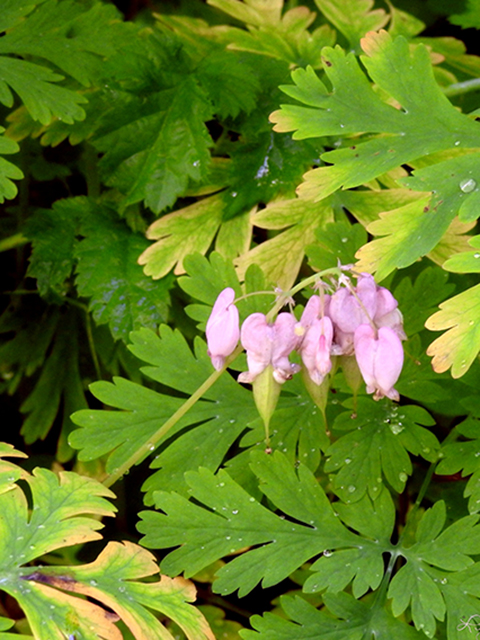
pixel 222 331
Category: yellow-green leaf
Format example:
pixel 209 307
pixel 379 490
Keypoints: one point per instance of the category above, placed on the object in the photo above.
pixel 459 345
pixel 180 233
pixel 281 256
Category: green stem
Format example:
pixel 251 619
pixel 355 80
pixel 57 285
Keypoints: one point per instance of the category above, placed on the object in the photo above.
pixel 380 596
pixel 92 179
pixel 459 88
pixel 149 446
pixel 91 344
pixel 285 295
pixel 453 435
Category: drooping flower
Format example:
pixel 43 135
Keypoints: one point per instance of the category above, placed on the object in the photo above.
pixel 269 344
pixel 316 349
pixel 223 329
pixel 380 359
pixel 348 311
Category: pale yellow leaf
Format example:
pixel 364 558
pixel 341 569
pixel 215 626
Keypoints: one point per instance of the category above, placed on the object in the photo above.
pixel 281 257
pixel 188 230
pixel 459 345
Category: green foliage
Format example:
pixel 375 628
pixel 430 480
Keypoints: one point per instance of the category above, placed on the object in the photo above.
pixel 376 444
pixel 227 519
pixel 108 274
pixel 8 171
pixel 157 167
pixel 65 512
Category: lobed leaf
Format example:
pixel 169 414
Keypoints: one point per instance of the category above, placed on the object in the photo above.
pixel 107 272
pixel 419 583
pixel 459 345
pixel 225 519
pixel 354 620
pixel 376 445
pixel 8 171
pixel 353 19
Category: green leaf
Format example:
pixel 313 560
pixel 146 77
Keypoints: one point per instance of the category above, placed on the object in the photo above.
pixel 53 233
pixel 59 386
pixel 417 300
pixel 405 134
pixel 61 516
pixel 151 155
pixel 108 273
pixel 12 12
pixel 36 87
pixel 8 171
pixel 468 18
pixel 264 167
pixel 353 19
pixel 256 12
pixel 27 349
pixel 355 621
pixel 213 419
pixel 72 36
pixel 208 277
pixel 336 243
pixel 9 471
pixel 224 519
pixel 459 345
pixel 376 444
pixel 288 39
pixel 465 262
pixel 420 581
pixel 465 457
pixel 363 564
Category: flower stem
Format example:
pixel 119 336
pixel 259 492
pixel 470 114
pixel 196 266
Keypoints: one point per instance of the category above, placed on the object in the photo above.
pixel 459 88
pixel 150 445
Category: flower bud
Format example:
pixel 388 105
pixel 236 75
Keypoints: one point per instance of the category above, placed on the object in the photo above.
pixel 223 329
pixel 380 359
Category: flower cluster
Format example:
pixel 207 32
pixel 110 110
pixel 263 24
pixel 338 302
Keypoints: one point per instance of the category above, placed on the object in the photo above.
pixel 363 321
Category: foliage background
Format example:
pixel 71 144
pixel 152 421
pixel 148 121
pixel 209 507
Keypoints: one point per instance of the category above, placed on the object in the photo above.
pixel 152 154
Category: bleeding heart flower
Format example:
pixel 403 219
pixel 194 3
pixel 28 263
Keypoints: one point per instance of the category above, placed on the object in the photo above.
pixel 380 359
pixel 269 344
pixel 316 349
pixel 223 329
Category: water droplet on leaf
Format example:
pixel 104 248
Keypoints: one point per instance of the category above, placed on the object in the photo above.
pixel 468 185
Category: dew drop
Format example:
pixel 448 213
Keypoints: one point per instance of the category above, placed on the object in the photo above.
pixel 396 428
pixel 476 255
pixel 468 185
pixel 234 511
pixel 347 461
pixel 443 581
pixel 327 553
pixel 402 477
pixel 93 583
pixel 351 489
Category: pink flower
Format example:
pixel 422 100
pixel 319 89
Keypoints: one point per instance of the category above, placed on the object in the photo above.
pixel 316 349
pixel 345 309
pixel 223 330
pixel 380 359
pixel 267 344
